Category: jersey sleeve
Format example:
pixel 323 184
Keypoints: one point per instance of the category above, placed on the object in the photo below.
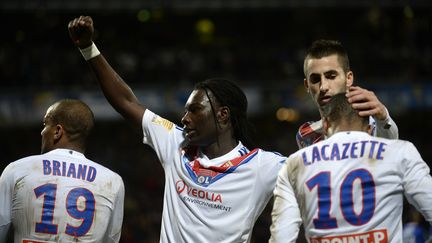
pixel 417 181
pixel 162 135
pixel 6 192
pixel 309 133
pixel 386 128
pixel 269 169
pixel 116 219
pixel 286 218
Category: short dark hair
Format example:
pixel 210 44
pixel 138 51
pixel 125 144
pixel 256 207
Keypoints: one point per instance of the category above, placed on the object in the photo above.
pixel 227 93
pixel 324 48
pixel 340 109
pixel 76 118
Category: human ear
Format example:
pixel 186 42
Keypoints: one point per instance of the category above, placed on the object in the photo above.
pixel 369 129
pixel 59 131
pixel 349 79
pixel 306 84
pixel 223 114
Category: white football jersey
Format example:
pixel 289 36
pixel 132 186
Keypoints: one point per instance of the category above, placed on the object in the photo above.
pixel 60 196
pixel 350 188
pixel 205 200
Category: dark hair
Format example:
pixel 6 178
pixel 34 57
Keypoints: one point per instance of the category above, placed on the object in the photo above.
pixel 340 109
pixel 229 94
pixel 324 48
pixel 76 118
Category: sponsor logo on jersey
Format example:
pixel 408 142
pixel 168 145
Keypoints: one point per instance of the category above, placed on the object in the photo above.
pixel 163 122
pixel 374 236
pixel 200 197
pixel 181 187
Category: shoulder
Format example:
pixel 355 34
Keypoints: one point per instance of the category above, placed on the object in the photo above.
pixel 270 156
pixel 24 162
pixel 309 133
pixel 19 167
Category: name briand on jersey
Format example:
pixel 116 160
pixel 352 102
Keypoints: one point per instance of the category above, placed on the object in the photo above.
pixel 209 200
pixel 349 188
pixel 60 196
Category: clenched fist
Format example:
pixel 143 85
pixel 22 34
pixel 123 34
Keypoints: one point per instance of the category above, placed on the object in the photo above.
pixel 81 31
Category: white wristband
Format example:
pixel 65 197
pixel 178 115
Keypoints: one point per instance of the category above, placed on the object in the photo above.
pixel 90 52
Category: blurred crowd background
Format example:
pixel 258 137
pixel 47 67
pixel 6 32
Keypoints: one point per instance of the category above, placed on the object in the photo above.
pixel 161 48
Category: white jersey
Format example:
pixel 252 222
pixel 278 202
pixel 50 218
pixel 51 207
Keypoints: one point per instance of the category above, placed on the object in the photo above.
pixel 205 200
pixel 60 196
pixel 350 188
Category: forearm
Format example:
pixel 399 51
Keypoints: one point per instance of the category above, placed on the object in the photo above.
pixel 116 91
pixel 387 128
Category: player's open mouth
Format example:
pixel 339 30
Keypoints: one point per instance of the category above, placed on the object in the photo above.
pixel 325 99
pixel 188 132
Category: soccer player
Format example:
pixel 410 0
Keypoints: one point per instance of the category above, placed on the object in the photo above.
pixel 327 72
pixel 349 187
pixel 216 182
pixel 60 195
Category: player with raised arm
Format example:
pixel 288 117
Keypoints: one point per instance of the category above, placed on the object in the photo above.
pixel 327 72
pixel 60 195
pixel 216 182
pixel 349 187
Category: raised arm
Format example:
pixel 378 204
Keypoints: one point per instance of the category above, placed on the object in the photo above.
pixel 115 89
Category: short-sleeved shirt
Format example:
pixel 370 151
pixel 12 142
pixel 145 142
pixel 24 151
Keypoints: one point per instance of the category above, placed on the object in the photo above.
pixel 60 196
pixel 350 188
pixel 209 200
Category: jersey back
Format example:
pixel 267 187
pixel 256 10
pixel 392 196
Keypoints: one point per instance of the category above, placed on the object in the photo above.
pixel 350 187
pixel 61 196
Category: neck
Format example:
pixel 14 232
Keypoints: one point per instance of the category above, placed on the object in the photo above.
pixel 348 126
pixel 218 149
pixel 71 146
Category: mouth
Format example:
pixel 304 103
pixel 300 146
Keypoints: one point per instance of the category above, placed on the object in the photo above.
pixel 188 133
pixel 323 100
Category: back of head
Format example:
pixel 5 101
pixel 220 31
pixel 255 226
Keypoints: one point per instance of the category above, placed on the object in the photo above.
pixel 227 93
pixel 76 118
pixel 339 111
pixel 324 48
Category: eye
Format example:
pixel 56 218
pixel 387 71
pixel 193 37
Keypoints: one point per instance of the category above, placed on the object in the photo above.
pixel 315 79
pixel 331 76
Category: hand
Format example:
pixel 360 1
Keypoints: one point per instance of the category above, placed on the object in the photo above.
pixel 81 31
pixel 366 102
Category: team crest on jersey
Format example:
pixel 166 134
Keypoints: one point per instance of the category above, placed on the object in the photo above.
pixel 163 122
pixel 206 176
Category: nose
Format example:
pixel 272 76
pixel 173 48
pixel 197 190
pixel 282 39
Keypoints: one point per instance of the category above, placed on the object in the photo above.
pixel 185 119
pixel 324 87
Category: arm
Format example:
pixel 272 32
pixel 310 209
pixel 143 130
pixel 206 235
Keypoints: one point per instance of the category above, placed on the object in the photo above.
pixel 6 203
pixel 116 91
pixel 286 219
pixel 116 219
pixel 417 181
pixel 368 104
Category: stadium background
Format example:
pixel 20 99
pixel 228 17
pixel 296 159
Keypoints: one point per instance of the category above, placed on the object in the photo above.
pixel 161 48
